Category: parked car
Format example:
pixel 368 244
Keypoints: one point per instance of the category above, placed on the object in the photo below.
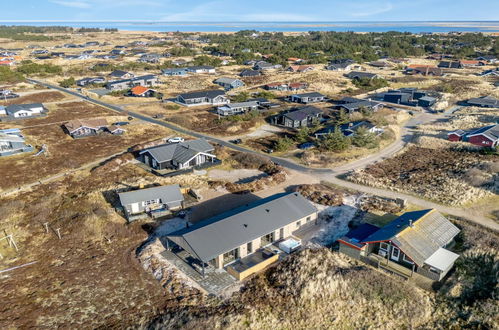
pixel 158 116
pixel 236 141
pixel 130 118
pixel 269 151
pixel 176 139
pixel 121 123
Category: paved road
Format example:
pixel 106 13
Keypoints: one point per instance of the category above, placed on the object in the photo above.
pixel 325 174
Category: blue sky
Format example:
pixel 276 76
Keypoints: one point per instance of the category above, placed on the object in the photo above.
pixel 250 10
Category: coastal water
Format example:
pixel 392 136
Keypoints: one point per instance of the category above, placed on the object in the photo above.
pixel 413 27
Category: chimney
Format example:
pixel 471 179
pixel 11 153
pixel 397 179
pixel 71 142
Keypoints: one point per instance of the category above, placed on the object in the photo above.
pixel 410 223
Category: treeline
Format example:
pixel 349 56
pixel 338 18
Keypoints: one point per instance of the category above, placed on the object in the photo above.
pixel 36 33
pixel 319 47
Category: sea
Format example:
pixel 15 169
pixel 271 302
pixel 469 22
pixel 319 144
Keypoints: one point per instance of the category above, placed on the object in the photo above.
pixel 412 27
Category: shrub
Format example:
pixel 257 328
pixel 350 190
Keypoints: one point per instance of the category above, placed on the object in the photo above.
pixel 388 134
pixel 303 135
pixel 66 83
pixel 365 139
pixel 171 106
pixel 478 273
pixel 250 160
pixel 284 144
pixel 335 141
pixel 28 68
pixel 10 77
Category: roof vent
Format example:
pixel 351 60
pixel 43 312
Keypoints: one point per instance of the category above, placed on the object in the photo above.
pixel 410 223
pixel 267 210
pixel 245 225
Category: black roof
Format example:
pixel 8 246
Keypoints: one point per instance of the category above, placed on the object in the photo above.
pixel 199 94
pixel 302 113
pixel 360 75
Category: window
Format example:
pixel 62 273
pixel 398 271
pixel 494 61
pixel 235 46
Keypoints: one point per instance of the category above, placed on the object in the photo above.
pixel 298 224
pixel 150 202
pixel 309 218
pixel 406 259
pixel 383 246
pixel 395 253
pixel 249 247
pixel 434 270
pixel 281 233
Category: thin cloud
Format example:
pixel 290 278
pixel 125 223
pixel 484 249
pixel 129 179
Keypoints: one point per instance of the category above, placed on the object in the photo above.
pixel 72 4
pixel 277 17
pixel 85 4
pixel 374 10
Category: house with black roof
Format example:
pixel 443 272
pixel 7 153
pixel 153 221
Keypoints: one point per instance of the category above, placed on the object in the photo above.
pixel 208 97
pixel 409 96
pixel 484 102
pixel 250 73
pixel 296 118
pixel 450 65
pixel 352 105
pixel 120 74
pixel 178 156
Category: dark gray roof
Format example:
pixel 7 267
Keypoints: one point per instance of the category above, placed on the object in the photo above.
pixel 167 194
pixel 354 106
pixel 484 101
pixel 360 75
pixel 19 107
pixel 180 152
pixel 226 231
pixel 118 73
pixel 302 113
pixel 311 94
pixel 200 94
pixel 250 73
pixel 225 80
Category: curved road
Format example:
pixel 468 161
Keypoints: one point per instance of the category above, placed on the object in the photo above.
pixel 325 174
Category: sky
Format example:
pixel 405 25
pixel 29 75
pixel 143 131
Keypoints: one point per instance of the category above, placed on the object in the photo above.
pixel 249 10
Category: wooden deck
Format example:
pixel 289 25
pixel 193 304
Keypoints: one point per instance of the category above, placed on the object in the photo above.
pixel 391 266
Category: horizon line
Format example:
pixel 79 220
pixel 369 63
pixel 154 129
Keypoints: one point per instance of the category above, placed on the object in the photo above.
pixel 253 21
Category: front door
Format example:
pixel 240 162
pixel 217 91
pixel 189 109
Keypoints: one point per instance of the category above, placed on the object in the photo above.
pixel 395 253
pixel 135 208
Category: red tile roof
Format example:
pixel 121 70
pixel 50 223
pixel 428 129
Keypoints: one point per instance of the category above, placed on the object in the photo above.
pixel 138 90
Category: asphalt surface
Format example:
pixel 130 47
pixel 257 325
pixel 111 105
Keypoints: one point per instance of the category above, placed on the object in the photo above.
pixel 325 174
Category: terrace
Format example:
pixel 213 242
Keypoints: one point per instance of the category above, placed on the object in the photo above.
pixel 252 263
